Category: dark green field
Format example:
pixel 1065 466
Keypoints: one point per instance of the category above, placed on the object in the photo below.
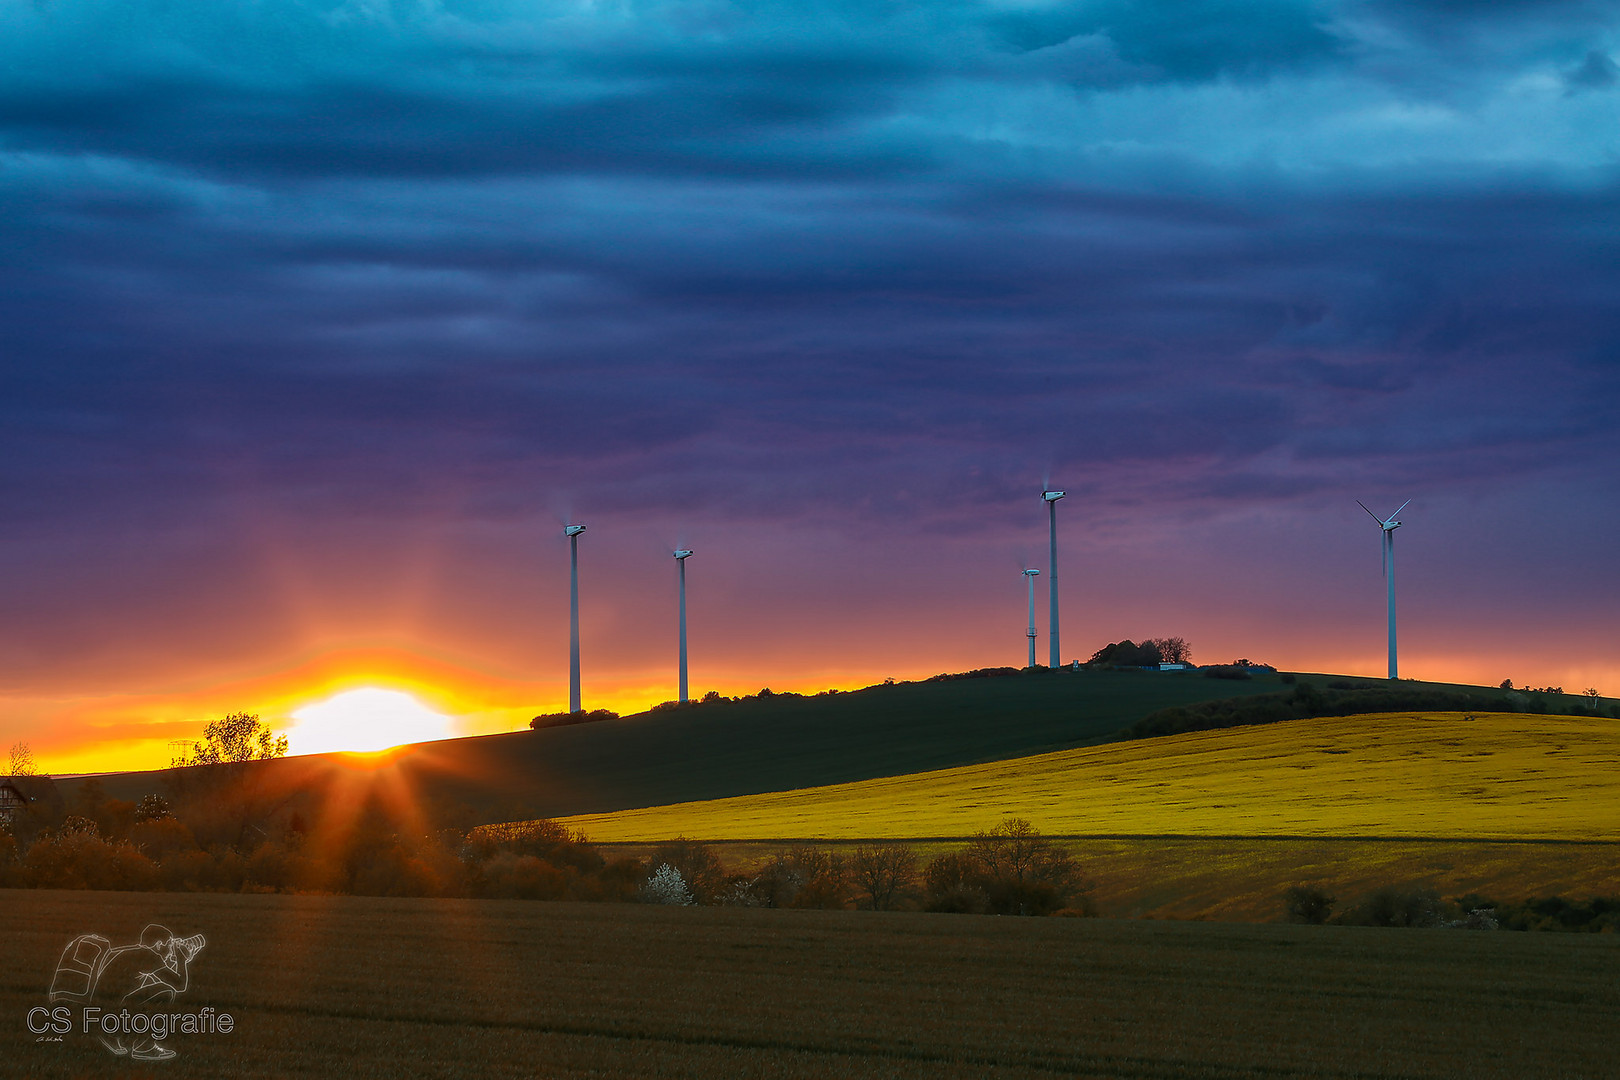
pixel 355 987
pixel 769 744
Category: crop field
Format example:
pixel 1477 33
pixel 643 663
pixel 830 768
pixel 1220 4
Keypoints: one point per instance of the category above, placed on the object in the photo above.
pixel 1459 776
pixel 357 987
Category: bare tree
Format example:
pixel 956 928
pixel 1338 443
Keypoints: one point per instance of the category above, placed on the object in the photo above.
pixel 884 872
pixel 22 760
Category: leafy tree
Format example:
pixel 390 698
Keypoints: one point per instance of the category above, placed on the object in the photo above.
pixel 1172 650
pixel 1126 653
pixel 1307 904
pixel 237 738
pixel 229 801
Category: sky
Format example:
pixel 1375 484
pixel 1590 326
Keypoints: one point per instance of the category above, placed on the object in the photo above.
pixel 318 320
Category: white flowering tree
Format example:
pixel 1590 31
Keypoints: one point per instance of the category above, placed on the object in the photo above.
pixel 666 886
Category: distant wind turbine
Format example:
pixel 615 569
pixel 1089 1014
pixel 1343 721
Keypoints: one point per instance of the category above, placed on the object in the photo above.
pixel 1030 576
pixel 680 560
pixel 1389 525
pixel 1051 497
pixel 572 532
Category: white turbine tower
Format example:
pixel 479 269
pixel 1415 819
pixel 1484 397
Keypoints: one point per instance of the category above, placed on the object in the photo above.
pixel 1030 575
pixel 680 560
pixel 1389 525
pixel 572 532
pixel 1052 498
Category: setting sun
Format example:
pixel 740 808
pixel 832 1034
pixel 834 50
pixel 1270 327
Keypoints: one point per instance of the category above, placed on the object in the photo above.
pixel 361 721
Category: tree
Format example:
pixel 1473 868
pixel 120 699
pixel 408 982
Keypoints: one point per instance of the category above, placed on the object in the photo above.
pixel 699 867
pixel 884 872
pixel 230 800
pixel 22 760
pixel 237 738
pixel 151 808
pixel 1307 904
pixel 1009 870
pixel 666 886
pixel 1126 653
pixel 1172 650
pixel 1021 871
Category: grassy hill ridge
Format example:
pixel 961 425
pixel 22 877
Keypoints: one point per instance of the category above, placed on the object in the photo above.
pixel 771 743
pixel 759 744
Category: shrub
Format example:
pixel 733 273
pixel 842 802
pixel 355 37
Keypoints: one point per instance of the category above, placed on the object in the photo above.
pixel 564 719
pixel 698 866
pixel 78 858
pixel 1406 906
pixel 508 875
pixel 1009 870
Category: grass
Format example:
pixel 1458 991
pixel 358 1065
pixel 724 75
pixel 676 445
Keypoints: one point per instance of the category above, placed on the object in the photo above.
pixel 359 988
pixel 1506 776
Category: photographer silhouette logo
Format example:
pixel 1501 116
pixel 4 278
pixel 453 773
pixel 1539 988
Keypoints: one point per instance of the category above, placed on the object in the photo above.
pixel 124 993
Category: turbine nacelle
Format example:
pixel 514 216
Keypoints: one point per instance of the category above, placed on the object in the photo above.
pixel 1031 573
pixel 683 554
pixel 1052 496
pixel 573 530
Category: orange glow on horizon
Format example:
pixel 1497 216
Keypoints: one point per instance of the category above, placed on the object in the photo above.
pixel 107 733
pixel 135 731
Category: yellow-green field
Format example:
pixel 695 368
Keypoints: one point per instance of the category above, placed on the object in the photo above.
pixel 1437 775
pixel 356 987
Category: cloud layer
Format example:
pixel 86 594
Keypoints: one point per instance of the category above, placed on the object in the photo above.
pixel 343 272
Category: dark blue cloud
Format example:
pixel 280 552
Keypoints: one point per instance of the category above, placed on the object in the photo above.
pixel 774 259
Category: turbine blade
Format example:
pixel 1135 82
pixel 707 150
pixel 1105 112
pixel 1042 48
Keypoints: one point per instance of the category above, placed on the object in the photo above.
pixel 1397 512
pixel 1370 514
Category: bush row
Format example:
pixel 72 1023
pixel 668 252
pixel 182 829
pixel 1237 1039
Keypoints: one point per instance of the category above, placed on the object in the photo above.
pixel 1421 906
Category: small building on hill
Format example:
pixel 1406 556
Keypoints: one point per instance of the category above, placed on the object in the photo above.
pixel 28 804
pixel 12 801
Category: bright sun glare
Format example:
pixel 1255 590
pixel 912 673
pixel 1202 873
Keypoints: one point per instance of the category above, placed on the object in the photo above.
pixel 362 721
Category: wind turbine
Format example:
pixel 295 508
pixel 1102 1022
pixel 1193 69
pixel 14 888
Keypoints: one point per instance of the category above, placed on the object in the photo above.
pixel 1389 525
pixel 1030 576
pixel 680 560
pixel 572 532
pixel 1052 498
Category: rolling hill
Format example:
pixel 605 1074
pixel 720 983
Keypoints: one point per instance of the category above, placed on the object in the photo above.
pixel 1507 776
pixel 757 744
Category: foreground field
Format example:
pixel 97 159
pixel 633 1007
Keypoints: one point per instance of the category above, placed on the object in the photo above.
pixel 1502 776
pixel 353 987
